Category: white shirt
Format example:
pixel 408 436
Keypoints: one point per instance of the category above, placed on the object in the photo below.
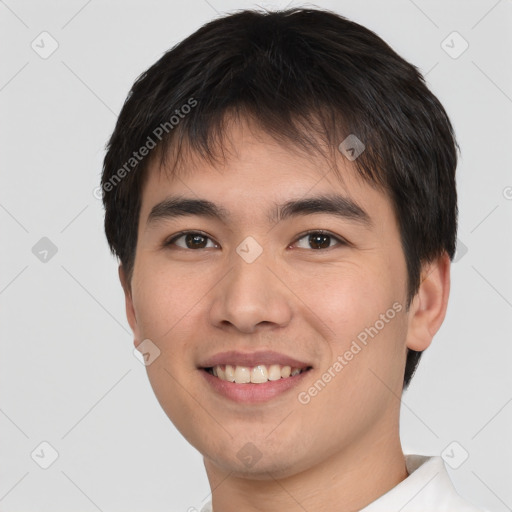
pixel 428 488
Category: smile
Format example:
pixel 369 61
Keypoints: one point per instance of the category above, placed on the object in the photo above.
pixel 244 390
pixel 258 374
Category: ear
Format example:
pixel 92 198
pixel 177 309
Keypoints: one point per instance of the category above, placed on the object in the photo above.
pixel 130 311
pixel 428 308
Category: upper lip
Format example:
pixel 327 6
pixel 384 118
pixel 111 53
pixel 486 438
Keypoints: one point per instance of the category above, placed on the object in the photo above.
pixel 251 359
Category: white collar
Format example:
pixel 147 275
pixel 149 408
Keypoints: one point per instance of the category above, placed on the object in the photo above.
pixel 427 488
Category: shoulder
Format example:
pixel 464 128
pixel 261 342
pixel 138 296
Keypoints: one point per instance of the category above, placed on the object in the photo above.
pixel 427 488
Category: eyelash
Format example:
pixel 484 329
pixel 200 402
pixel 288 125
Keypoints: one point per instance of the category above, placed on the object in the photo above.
pixel 341 241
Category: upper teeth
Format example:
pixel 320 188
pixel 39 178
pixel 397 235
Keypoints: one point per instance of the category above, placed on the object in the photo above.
pixel 257 374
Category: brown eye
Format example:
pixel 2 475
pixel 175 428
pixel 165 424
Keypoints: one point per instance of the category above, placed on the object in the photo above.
pixel 191 240
pixel 318 240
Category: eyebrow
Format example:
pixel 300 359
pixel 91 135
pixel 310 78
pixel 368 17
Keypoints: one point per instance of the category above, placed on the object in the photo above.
pixel 337 205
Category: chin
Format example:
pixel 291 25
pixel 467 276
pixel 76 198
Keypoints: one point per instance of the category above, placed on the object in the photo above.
pixel 265 464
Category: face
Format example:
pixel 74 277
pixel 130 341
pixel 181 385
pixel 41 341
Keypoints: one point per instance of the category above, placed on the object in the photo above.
pixel 272 278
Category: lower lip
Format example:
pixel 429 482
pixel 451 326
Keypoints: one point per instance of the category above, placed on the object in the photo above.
pixel 253 393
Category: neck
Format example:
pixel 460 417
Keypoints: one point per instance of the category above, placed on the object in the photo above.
pixel 348 480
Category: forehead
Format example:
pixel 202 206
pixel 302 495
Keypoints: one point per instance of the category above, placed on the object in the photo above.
pixel 254 168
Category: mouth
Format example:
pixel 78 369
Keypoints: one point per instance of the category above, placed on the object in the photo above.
pixel 259 374
pixel 250 385
pixel 251 378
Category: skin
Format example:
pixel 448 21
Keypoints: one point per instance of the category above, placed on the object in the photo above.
pixel 343 446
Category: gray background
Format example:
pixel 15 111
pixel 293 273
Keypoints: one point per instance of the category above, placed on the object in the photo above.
pixel 68 375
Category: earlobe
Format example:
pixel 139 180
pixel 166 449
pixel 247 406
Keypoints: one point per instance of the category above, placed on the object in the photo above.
pixel 130 311
pixel 428 307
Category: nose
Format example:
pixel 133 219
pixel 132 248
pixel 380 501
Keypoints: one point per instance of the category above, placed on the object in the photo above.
pixel 250 297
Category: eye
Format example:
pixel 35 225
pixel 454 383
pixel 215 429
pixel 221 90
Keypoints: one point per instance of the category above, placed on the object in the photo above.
pixel 319 240
pixel 191 240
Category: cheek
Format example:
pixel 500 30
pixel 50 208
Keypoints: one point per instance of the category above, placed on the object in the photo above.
pixel 360 312
pixel 350 297
pixel 165 302
pixel 164 297
pixel 363 374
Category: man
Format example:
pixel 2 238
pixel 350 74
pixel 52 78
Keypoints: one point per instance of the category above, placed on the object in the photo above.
pixel 280 191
